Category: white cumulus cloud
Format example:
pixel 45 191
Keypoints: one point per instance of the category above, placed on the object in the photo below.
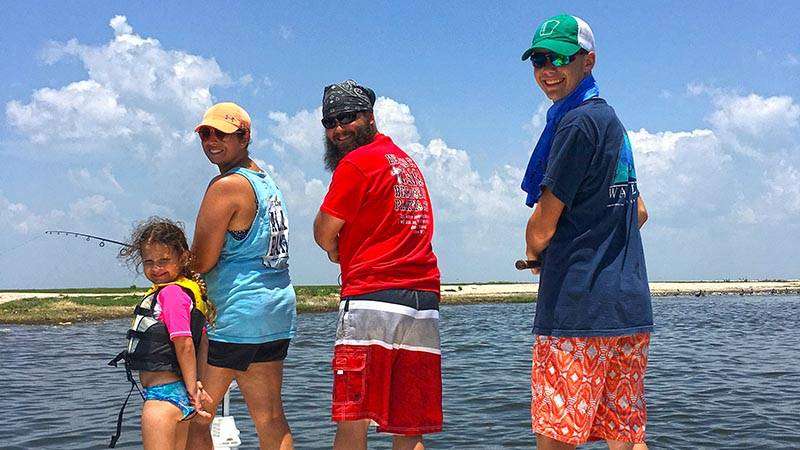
pixel 93 205
pixel 301 133
pixel 138 96
pixel 100 181
pixel 741 170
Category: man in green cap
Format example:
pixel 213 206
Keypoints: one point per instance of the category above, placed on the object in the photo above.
pixel 593 315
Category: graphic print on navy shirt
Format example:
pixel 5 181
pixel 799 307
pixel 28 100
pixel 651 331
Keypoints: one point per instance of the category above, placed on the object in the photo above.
pixel 623 189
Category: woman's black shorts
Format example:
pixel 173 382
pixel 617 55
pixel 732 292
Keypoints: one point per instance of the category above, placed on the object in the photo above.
pixel 240 356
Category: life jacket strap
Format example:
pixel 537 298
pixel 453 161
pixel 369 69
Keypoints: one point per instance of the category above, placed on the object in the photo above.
pixel 145 337
pixel 132 380
pixel 134 333
pixel 139 311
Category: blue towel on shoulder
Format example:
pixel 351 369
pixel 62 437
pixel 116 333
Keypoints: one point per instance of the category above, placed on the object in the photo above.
pixel 537 165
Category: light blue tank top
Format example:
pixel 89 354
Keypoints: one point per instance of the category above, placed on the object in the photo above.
pixel 250 284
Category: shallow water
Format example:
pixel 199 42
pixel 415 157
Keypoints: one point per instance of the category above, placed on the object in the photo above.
pixel 724 373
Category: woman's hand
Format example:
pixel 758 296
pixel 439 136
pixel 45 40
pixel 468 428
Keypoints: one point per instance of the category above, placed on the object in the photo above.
pixel 199 399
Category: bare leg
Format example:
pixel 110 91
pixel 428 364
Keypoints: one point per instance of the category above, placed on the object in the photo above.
pixel 546 443
pixel 619 445
pixel 215 382
pixel 407 443
pixel 261 389
pixel 181 434
pixel 351 435
pixel 640 446
pixel 159 422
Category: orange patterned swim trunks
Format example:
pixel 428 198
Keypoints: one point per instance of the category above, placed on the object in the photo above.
pixel 589 388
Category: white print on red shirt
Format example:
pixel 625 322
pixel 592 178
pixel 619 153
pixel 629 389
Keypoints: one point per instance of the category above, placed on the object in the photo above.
pixel 410 200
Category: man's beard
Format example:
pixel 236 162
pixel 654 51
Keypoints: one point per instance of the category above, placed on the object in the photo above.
pixel 335 152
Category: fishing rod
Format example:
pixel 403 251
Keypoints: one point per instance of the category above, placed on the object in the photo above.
pixel 523 264
pixel 6 251
pixel 89 237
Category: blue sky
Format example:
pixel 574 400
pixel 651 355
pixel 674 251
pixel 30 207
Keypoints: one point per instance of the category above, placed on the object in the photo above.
pixel 99 100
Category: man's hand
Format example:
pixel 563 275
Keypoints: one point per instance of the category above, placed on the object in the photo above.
pixel 333 255
pixel 533 257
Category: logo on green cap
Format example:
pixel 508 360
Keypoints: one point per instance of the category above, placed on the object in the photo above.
pixel 549 27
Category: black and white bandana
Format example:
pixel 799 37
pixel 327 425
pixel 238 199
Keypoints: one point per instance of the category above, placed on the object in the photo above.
pixel 347 96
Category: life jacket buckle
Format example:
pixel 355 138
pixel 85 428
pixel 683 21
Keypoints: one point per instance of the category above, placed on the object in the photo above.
pixel 120 357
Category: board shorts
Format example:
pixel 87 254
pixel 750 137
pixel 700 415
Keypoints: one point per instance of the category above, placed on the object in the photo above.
pixel 387 362
pixel 589 388
pixel 240 356
pixel 174 393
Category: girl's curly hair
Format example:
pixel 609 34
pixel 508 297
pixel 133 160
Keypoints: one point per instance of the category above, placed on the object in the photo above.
pixel 164 231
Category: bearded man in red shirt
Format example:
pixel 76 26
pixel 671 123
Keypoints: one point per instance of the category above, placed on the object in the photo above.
pixel 376 222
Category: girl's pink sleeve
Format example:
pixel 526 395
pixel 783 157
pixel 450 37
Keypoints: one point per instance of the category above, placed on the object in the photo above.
pixel 176 307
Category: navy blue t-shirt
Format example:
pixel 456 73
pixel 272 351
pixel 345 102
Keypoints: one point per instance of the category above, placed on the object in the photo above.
pixel 593 280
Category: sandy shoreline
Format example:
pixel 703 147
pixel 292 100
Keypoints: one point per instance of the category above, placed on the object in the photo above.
pixel 658 289
pixel 11 296
pixel 454 291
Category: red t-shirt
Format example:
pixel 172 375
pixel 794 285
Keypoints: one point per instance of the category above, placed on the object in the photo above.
pixel 385 243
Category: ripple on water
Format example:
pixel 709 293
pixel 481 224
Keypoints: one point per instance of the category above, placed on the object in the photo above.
pixel 723 373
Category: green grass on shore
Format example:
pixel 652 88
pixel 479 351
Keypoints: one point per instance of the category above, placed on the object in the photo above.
pixel 66 309
pixel 60 310
pixel 100 290
pixel 307 290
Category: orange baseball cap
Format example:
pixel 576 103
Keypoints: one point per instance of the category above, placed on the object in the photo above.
pixel 226 117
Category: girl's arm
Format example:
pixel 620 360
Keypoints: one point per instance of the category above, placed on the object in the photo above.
pixel 184 349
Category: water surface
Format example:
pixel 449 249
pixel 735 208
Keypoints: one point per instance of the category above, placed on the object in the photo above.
pixel 724 373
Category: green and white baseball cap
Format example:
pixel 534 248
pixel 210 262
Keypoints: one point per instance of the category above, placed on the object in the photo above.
pixel 563 34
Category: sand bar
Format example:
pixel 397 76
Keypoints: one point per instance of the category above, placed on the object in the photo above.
pixel 453 291
pixel 11 296
pixel 660 289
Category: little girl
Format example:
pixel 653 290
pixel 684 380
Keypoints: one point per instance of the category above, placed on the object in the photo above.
pixel 166 332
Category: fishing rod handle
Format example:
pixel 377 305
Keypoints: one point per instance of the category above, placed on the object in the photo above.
pixel 523 264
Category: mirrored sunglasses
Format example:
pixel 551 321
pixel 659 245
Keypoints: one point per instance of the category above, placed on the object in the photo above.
pixel 539 60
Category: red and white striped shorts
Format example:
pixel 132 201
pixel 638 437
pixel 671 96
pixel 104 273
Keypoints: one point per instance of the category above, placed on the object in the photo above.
pixel 387 363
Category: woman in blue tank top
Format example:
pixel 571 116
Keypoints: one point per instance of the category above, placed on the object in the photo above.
pixel 241 245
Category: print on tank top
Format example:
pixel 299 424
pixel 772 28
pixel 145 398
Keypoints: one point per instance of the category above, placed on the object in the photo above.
pixel 277 256
pixel 410 200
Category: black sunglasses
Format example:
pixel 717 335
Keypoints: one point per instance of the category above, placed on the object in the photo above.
pixel 342 119
pixel 539 60
pixel 206 133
